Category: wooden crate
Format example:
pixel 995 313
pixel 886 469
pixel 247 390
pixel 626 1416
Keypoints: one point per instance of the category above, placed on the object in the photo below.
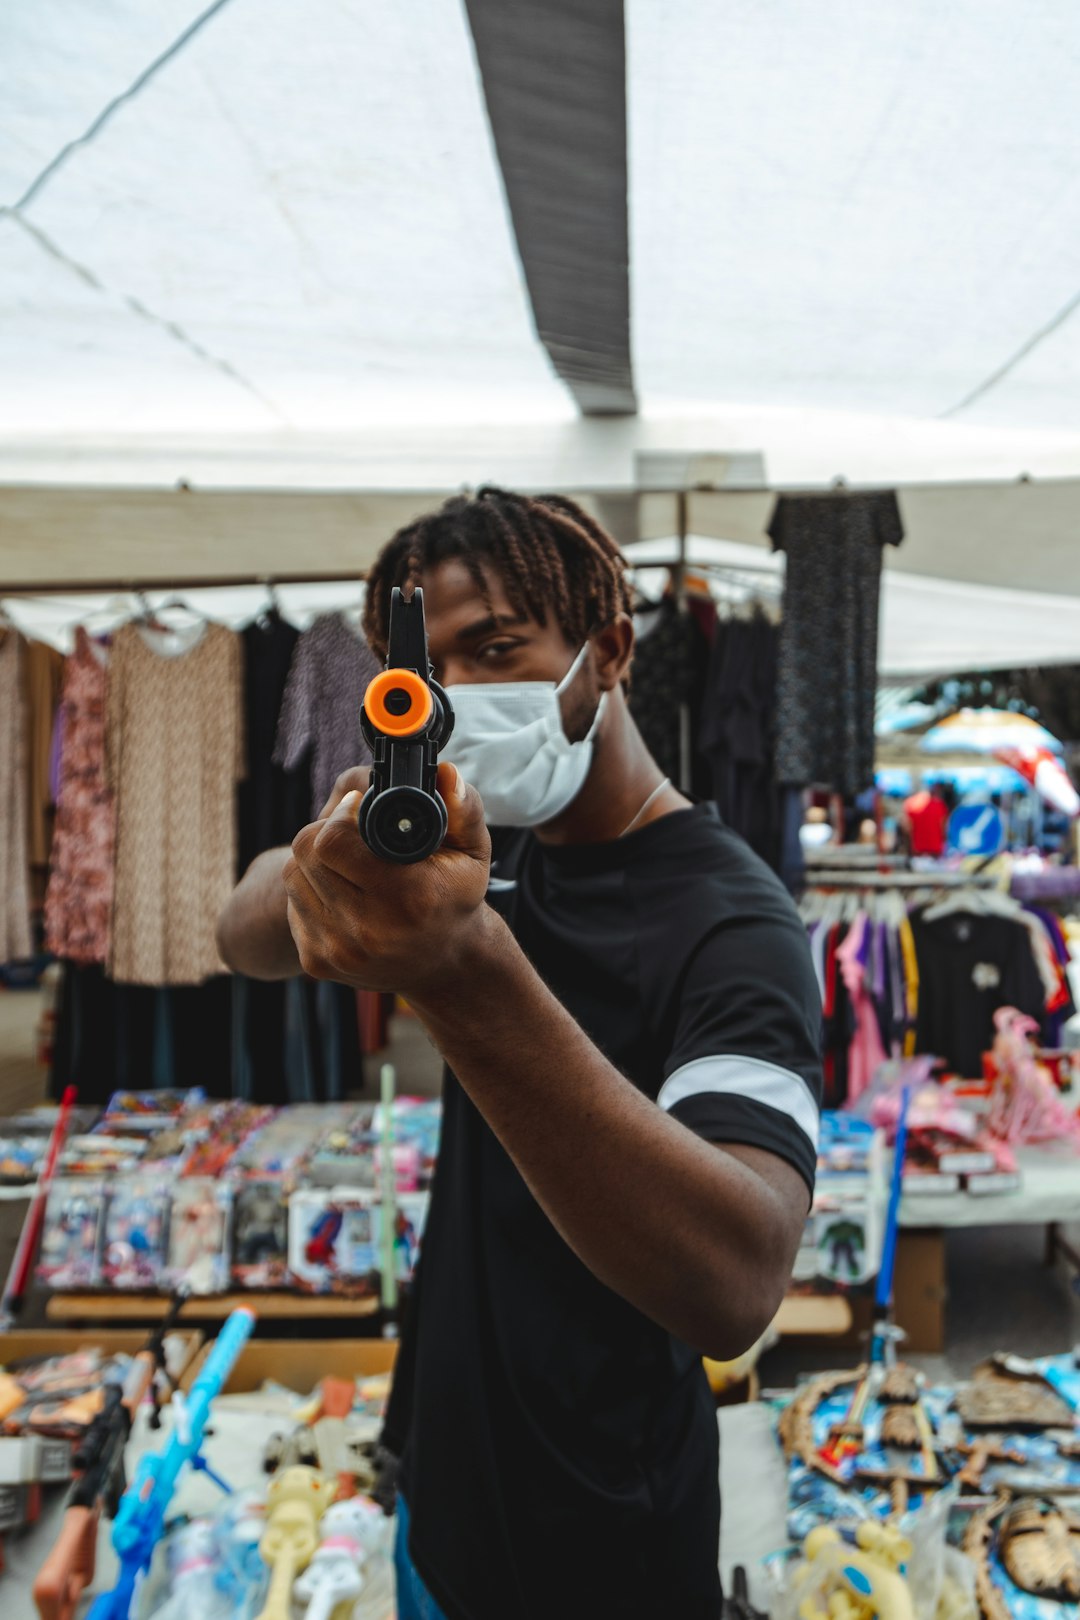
pixel 269 1307
pixel 300 1363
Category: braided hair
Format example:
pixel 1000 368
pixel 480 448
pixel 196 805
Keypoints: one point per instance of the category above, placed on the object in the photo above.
pixel 550 555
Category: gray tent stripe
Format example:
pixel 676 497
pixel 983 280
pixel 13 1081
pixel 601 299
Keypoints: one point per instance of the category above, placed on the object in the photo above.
pixel 554 75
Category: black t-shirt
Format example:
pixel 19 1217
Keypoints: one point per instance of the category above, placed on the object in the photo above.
pixel 969 966
pixel 561 1454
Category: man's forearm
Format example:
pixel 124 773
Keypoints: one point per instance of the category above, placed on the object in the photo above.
pixel 690 1234
pixel 253 933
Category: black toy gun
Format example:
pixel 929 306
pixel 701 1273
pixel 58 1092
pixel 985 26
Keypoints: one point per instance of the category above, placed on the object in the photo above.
pixel 98 1463
pixel 405 720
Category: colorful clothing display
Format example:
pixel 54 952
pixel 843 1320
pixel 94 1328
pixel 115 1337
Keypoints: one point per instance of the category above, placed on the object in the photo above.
pixel 928 979
pixel 175 754
pixel 14 850
pixel 78 900
pixel 320 715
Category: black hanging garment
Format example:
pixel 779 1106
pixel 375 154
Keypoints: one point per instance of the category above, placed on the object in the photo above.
pixel 828 643
pixel 662 683
pixel 738 731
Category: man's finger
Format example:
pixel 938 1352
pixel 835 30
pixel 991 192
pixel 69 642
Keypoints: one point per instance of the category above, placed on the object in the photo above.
pixel 340 847
pixel 467 830
pixel 355 779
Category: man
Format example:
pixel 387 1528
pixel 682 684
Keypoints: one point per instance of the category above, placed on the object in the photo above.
pixel 630 1021
pixel 926 820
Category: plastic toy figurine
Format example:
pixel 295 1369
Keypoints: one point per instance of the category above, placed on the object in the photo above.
pixel 243 1575
pixel 856 1578
pixel 296 1501
pixel 351 1532
pixel 193 1588
pixel 319 1249
pixel 406 719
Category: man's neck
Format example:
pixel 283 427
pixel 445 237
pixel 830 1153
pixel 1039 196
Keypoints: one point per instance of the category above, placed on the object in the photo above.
pixel 622 776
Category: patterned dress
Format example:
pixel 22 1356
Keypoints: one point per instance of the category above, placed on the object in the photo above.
pixel 175 749
pixel 78 901
pixel 14 853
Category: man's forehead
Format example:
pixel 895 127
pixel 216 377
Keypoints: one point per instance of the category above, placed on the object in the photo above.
pixel 454 601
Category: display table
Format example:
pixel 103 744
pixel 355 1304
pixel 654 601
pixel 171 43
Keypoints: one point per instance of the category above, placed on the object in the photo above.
pixel 1049 1192
pixel 1049 1195
pixel 753 1489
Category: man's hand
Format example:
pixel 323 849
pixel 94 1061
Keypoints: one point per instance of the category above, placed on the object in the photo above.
pixel 366 922
pixel 357 779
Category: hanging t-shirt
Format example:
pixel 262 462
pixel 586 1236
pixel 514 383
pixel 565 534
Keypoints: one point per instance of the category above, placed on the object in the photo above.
pixel 969 966
pixel 929 819
pixel 561 1454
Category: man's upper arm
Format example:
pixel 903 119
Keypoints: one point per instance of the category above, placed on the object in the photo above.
pixel 745 1067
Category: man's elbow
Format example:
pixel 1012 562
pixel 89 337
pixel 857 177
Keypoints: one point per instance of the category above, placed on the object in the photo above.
pixel 227 937
pixel 730 1333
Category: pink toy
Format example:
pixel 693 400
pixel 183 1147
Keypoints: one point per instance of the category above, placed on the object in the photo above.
pixel 1024 1104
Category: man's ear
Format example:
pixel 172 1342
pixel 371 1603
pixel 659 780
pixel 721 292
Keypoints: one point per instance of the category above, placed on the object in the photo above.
pixel 613 650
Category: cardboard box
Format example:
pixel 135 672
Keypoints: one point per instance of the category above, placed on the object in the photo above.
pixel 299 1364
pixel 19 1346
pixel 920 1290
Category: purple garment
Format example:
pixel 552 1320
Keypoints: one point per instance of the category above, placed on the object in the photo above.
pixel 320 712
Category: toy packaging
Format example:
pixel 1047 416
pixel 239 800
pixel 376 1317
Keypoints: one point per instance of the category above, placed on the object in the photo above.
pixel 260 1240
pixel 344 1155
pixel 138 1112
pixel 283 1145
pixel 71 1240
pixel 409 1220
pixel 199 1221
pixel 136 1221
pixel 334 1240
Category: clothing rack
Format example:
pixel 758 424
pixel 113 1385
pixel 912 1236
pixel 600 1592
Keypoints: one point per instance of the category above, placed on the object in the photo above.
pixel 903 880
pixel 132 585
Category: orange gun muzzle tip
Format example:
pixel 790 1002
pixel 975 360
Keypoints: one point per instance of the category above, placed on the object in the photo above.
pixel 398 702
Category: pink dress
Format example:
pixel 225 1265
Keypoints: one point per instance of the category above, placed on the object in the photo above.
pixel 78 901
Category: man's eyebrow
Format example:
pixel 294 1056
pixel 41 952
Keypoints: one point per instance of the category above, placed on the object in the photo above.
pixel 494 621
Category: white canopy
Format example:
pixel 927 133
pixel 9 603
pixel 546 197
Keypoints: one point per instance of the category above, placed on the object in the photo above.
pixel 257 245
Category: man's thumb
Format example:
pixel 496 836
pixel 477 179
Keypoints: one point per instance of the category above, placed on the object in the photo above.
pixel 466 828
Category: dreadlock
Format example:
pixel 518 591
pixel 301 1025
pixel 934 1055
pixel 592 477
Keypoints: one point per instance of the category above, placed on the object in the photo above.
pixel 551 556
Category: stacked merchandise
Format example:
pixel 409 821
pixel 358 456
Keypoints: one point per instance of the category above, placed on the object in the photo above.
pixel 962 1137
pixel 843 1235
pixel 169 1190
pixel 65 1413
pixel 259 1499
pixel 925 1500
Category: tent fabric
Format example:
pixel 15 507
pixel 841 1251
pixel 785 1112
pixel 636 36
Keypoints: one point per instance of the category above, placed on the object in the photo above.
pixel 250 245
pixel 299 221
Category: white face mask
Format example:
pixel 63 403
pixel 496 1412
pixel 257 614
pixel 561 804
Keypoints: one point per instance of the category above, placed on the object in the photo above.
pixel 509 743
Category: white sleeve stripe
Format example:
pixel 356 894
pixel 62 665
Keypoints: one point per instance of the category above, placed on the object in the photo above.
pixel 751 1078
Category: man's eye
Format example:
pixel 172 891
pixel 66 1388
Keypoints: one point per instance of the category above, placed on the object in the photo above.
pixel 496 649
